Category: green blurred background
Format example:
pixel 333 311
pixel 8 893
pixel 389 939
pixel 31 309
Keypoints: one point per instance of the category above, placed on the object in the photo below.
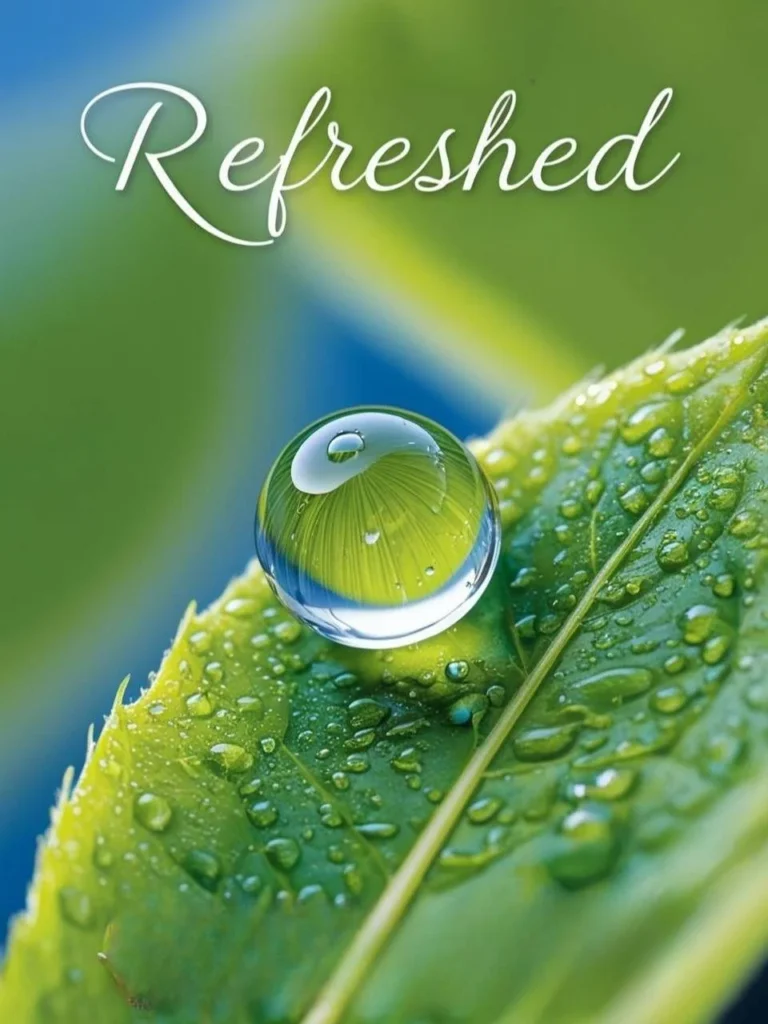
pixel 150 373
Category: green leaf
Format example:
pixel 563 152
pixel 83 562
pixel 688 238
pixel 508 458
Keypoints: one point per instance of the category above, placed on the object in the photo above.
pixel 282 829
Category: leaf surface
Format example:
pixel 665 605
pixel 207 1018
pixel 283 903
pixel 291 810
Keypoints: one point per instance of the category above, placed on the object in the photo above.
pixel 281 829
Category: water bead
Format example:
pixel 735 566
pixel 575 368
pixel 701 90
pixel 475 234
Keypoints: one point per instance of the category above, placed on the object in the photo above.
pixel 377 527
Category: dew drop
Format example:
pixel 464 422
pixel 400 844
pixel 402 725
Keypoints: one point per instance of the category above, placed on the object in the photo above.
pixel 613 685
pixel 366 713
pixel 608 784
pixel 545 742
pixel 698 623
pixel 377 475
pixel 262 814
pixel 345 446
pixel 204 867
pixel 672 555
pixel 230 757
pixel 466 709
pixel 199 705
pixel 287 632
pixel 153 812
pixel 378 830
pixel 669 699
pixel 282 853
pixel 484 809
pixel 643 421
pixel 456 671
pixel 76 907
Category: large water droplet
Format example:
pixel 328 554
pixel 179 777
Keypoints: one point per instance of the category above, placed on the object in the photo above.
pixel 393 476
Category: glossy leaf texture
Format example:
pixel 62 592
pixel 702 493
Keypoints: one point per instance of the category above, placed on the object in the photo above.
pixel 281 830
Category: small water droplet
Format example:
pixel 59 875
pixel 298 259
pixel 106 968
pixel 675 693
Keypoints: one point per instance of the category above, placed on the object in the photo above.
pixel 545 742
pixel 345 446
pixel 262 813
pixel 467 708
pixel 250 705
pixel 204 867
pixel 484 809
pixel 366 713
pixel 456 671
pixel 672 555
pixel 698 623
pixel 153 812
pixel 76 907
pixel 378 830
pixel 200 705
pixel 283 853
pixel 230 757
pixel 287 632
pixel 613 685
pixel 669 699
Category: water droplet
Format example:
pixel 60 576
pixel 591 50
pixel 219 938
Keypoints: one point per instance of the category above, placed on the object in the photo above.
pixel 262 814
pixel 204 867
pixel 287 632
pixel 200 642
pixel 635 500
pixel 660 443
pixel 407 761
pixel 669 699
pixel 698 623
pixel 229 757
pixel 672 555
pixel 250 705
pixel 200 705
pixel 545 742
pixel 153 812
pixel 345 446
pixel 613 685
pixel 456 671
pixel 251 884
pixel 214 672
pixel 715 649
pixel 377 473
pixel 723 499
pixel 366 713
pixel 282 853
pixel 76 907
pixel 378 830
pixel 643 421
pixel 496 695
pixel 482 810
pixel 608 784
pixel 465 709
pixel 724 585
pixel 745 524
pixel 587 847
pixel 675 663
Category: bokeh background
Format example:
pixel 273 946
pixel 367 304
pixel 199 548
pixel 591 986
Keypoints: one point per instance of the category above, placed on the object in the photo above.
pixel 149 373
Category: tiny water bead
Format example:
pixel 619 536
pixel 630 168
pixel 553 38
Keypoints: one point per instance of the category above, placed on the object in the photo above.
pixel 377 527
